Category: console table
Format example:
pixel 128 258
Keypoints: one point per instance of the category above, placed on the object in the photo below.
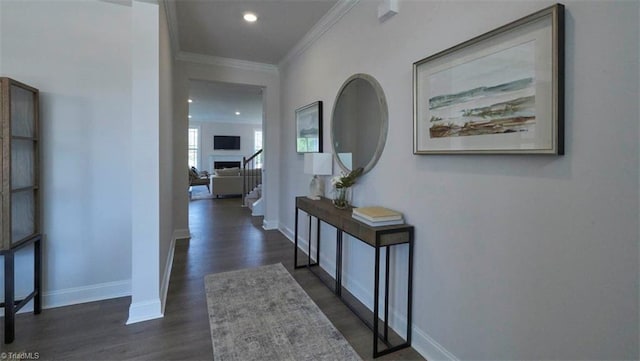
pixel 376 237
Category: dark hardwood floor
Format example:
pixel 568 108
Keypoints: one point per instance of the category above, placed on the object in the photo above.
pixel 224 237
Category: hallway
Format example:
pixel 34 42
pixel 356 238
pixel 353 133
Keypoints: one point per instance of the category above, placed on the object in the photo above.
pixel 224 237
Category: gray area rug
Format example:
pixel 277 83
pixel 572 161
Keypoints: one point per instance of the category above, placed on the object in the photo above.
pixel 200 192
pixel 264 314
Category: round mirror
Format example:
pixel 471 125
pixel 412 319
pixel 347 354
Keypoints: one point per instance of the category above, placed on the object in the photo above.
pixel 359 123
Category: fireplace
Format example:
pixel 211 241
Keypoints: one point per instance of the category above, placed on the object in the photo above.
pixel 225 164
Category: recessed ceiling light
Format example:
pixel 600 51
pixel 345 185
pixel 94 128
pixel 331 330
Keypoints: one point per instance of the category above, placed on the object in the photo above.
pixel 189 116
pixel 250 17
pixel 190 100
pixel 237 113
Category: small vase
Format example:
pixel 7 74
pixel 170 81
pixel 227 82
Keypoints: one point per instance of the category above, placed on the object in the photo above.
pixel 342 197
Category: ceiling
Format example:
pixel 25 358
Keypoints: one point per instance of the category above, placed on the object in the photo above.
pixel 215 29
pixel 219 102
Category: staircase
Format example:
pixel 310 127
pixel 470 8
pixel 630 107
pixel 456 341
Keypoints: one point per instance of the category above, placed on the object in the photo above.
pixel 253 201
pixel 252 184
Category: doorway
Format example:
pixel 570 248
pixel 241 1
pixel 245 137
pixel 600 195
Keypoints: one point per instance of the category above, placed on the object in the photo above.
pixel 225 129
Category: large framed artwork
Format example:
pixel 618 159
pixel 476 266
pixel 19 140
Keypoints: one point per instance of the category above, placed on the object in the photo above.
pixel 309 128
pixel 499 93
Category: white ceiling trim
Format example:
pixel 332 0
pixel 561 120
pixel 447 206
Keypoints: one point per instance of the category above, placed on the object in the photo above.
pixel 172 24
pixel 325 23
pixel 228 62
pixel 224 121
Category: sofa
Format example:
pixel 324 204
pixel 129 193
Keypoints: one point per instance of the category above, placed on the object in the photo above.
pixel 229 181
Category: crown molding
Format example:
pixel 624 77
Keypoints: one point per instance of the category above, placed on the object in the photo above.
pixel 228 62
pixel 172 24
pixel 325 23
pixel 226 121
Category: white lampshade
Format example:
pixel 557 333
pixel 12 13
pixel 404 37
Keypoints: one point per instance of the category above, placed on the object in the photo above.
pixel 318 163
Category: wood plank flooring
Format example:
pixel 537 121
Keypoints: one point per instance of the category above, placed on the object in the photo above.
pixel 224 237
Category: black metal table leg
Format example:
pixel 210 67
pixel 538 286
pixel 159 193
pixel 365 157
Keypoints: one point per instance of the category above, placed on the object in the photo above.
pixel 11 305
pixel 309 243
pixel 410 287
pixel 318 241
pixel 386 294
pixel 9 297
pixel 317 262
pixel 37 276
pixel 338 289
pixel 376 293
pixel 295 239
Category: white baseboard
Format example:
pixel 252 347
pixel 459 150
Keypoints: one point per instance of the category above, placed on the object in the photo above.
pixel 286 231
pixel 269 225
pixel 77 295
pixel 302 242
pixel 145 311
pixel 424 344
pixel 152 309
pixel 164 285
pixel 428 347
pixel 98 292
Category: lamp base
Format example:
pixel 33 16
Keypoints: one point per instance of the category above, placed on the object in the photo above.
pixel 316 188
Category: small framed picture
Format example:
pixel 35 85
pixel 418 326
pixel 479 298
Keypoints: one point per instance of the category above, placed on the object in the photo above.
pixel 309 128
pixel 499 93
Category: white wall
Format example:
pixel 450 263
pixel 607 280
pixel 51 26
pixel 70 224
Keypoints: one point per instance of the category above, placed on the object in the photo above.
pixel 198 69
pixel 209 129
pixel 100 119
pixel 79 55
pixel 516 257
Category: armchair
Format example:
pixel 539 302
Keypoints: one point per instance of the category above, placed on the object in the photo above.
pixel 198 178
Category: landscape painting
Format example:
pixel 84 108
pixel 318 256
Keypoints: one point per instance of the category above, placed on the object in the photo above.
pixel 501 92
pixel 494 94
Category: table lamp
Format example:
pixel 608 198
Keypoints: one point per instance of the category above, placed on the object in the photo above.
pixel 317 164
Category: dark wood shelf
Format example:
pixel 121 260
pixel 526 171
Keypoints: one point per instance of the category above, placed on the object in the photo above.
pixel 22 189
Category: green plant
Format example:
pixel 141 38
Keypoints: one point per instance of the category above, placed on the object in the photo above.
pixel 347 180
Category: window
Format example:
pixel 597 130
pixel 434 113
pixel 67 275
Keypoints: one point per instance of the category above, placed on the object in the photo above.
pixel 257 146
pixel 193 147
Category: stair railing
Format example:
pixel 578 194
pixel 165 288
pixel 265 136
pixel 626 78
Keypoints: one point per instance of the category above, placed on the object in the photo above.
pixel 250 177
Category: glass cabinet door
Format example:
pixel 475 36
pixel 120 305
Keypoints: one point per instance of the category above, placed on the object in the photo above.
pixel 20 213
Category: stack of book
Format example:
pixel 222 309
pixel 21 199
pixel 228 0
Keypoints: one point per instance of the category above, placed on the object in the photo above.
pixel 377 216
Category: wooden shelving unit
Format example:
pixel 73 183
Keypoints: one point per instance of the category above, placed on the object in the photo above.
pixel 20 191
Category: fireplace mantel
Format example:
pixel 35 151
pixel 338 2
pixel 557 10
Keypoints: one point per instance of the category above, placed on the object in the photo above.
pixel 222 158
